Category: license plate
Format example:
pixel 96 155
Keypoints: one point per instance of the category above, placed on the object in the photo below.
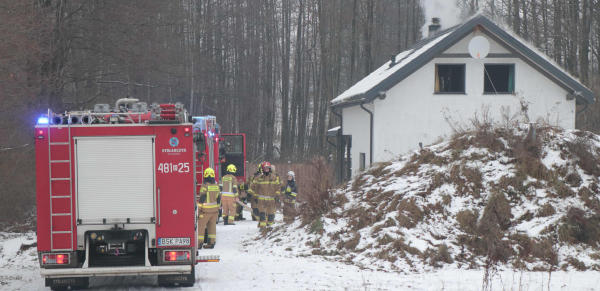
pixel 174 241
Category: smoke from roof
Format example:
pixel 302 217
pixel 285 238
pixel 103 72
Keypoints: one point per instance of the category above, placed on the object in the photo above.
pixel 446 10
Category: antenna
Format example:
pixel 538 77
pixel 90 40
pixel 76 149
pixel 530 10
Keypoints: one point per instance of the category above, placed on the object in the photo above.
pixel 479 47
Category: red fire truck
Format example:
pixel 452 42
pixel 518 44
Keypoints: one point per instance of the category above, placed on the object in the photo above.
pixel 116 191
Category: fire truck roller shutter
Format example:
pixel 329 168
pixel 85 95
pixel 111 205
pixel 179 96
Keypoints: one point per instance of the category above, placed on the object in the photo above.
pixel 115 179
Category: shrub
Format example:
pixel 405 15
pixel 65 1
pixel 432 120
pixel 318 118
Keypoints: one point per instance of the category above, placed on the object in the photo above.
pixel 496 217
pixel 317 196
pixel 467 221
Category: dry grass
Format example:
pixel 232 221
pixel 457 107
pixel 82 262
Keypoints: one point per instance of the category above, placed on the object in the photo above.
pixel 546 210
pixel 353 242
pixel 587 161
pixel 496 218
pixel 379 170
pixel 467 221
pixel 577 228
pixel 467 180
pixel 409 213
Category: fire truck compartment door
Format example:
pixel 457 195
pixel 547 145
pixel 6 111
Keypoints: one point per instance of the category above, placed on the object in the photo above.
pixel 115 179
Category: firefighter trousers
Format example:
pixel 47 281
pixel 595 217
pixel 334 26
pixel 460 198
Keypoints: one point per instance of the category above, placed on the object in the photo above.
pixel 266 211
pixel 254 203
pixel 229 207
pixel 208 220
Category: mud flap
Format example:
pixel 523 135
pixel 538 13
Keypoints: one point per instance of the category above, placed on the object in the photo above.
pixel 75 282
pixel 184 280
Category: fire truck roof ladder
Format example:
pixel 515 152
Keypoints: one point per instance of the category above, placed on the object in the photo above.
pixel 61 175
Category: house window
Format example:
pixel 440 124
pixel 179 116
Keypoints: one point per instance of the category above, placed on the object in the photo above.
pixel 361 161
pixel 450 78
pixel 499 79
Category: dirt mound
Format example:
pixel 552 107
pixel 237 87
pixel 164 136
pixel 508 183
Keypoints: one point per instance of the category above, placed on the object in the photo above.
pixel 523 197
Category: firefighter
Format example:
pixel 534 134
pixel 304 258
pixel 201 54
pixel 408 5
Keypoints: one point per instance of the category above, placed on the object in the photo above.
pixel 230 195
pixel 289 200
pixel 208 209
pixel 264 186
pixel 251 195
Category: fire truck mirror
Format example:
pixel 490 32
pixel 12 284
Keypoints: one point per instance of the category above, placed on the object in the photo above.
pixel 200 142
pixel 201 157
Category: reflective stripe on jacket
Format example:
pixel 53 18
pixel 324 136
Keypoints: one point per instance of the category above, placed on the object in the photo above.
pixel 210 198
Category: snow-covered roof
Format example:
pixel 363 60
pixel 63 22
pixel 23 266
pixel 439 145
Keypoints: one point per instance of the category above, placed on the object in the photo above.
pixel 407 62
pixel 333 131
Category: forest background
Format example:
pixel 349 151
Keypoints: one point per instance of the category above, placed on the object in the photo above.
pixel 267 68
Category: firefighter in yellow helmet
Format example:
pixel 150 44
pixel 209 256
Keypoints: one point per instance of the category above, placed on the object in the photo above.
pixel 264 186
pixel 251 195
pixel 230 195
pixel 208 209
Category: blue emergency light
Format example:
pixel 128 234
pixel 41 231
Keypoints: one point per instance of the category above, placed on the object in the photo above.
pixel 43 120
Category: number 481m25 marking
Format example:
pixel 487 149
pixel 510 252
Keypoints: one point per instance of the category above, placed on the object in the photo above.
pixel 174 168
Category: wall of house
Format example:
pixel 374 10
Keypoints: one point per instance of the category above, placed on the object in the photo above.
pixel 413 113
pixel 356 123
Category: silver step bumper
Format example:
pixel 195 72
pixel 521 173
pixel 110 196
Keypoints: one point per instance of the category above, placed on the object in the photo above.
pixel 116 271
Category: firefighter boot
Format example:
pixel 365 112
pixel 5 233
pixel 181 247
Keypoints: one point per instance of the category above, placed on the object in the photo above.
pixel 263 220
pixel 255 214
pixel 270 219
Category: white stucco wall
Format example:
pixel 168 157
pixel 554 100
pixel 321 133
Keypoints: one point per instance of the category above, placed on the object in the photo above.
pixel 412 113
pixel 356 123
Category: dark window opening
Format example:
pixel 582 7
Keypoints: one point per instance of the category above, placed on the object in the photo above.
pixel 450 78
pixel 499 79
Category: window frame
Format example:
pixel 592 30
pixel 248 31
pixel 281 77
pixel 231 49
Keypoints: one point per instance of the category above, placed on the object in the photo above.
pixel 435 78
pixel 514 68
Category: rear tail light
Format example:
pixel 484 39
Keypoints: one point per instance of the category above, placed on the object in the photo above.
pixel 55 259
pixel 177 256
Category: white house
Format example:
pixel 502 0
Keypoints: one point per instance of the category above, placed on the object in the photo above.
pixel 401 104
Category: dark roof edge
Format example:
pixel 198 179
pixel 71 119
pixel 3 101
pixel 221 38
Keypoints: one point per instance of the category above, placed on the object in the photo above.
pixel 454 37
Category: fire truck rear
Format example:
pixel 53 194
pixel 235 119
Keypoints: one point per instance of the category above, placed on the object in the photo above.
pixel 116 194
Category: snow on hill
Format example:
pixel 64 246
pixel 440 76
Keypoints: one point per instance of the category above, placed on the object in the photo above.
pixel 523 198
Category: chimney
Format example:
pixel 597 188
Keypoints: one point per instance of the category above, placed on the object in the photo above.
pixel 393 60
pixel 434 27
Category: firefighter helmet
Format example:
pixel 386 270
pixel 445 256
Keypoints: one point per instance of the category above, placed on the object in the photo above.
pixel 209 172
pixel 266 165
pixel 260 166
pixel 291 173
pixel 231 168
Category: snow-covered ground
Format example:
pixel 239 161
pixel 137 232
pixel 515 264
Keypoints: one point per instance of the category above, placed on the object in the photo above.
pixel 246 265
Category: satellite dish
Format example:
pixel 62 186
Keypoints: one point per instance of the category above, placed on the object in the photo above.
pixel 479 47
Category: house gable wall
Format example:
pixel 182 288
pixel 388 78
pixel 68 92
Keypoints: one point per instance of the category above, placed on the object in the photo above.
pixel 413 113
pixel 462 47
